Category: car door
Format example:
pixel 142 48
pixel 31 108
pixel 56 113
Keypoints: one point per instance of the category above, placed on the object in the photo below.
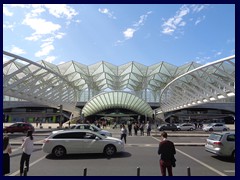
pixel 229 145
pixel 73 142
pixel 91 145
pixel 218 127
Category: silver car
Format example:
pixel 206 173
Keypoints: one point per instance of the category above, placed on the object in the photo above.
pixel 186 127
pixel 63 142
pixel 221 144
pixel 92 128
pixel 215 127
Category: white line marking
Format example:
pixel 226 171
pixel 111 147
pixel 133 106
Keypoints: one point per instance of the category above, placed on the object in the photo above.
pixel 229 171
pixel 200 162
pixel 30 165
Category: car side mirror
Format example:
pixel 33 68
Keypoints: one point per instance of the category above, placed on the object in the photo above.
pixel 97 138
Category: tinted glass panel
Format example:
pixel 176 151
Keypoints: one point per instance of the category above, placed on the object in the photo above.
pixel 72 135
pixel 231 137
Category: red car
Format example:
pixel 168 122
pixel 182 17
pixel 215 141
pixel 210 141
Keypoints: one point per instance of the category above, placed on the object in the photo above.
pixel 19 127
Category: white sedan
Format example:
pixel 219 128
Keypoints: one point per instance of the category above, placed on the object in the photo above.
pixel 61 142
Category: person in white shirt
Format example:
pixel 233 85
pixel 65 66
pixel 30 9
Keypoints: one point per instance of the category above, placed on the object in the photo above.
pixel 6 158
pixel 123 133
pixel 27 147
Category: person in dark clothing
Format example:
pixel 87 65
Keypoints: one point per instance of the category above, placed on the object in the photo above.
pixel 130 128
pixel 6 158
pixel 167 150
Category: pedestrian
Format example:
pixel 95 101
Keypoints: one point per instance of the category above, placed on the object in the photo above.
pixel 148 127
pixel 129 128
pixel 123 133
pixel 27 147
pixel 167 150
pixel 6 158
pixel 136 128
pixel 141 127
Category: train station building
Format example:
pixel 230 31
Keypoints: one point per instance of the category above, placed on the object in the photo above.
pixel 132 91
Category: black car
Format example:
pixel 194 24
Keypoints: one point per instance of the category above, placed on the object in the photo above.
pixel 171 127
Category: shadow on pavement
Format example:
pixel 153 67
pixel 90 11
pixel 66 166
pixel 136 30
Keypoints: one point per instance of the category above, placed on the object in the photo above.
pixel 225 159
pixel 89 156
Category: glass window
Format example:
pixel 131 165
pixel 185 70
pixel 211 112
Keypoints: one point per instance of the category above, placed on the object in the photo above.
pixel 231 137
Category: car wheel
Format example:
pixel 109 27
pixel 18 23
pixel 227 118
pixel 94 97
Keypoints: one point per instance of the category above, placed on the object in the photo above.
pixel 191 129
pixel 224 129
pixel 109 150
pixel 59 151
pixel 179 129
pixel 210 129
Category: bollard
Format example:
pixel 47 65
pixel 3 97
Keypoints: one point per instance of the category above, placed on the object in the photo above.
pixel 188 171
pixel 25 171
pixel 138 171
pixel 85 172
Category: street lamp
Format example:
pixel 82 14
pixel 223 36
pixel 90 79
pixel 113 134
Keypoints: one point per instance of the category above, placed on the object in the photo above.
pixel 60 111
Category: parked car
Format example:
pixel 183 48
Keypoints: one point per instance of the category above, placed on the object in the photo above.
pixel 216 127
pixel 221 144
pixel 18 127
pixel 63 142
pixel 186 127
pixel 92 128
pixel 164 127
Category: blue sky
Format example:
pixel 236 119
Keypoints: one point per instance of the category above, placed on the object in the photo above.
pixel 120 33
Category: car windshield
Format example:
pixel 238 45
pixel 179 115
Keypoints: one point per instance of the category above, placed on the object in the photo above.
pixel 96 128
pixel 73 127
pixel 216 137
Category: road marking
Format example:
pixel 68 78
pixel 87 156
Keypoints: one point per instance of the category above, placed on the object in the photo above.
pixel 15 149
pixel 200 162
pixel 30 165
pixel 229 171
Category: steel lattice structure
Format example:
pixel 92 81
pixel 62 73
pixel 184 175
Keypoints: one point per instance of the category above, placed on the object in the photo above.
pixel 67 83
pixel 204 84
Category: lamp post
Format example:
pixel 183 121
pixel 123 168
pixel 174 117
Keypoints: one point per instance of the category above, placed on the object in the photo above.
pixel 60 111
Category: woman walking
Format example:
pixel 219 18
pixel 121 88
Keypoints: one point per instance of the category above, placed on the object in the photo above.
pixel 6 158
pixel 27 147
pixel 124 133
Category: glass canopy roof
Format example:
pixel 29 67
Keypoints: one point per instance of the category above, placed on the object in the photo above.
pixel 65 84
pixel 117 99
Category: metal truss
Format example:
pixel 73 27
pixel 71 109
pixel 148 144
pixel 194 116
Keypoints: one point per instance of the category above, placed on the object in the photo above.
pixel 208 83
pixel 33 82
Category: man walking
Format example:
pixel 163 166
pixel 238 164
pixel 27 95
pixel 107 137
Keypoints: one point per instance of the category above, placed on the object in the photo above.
pixel 167 150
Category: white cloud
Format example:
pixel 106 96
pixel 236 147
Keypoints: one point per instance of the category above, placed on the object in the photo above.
pixel 17 50
pixel 107 12
pixel 129 33
pixel 173 23
pixel 6 12
pixel 61 10
pixel 60 35
pixel 41 26
pixel 46 49
pixel 217 54
pixel 198 7
pixel 7 25
pixel 50 59
pixel 199 20
pixel 142 19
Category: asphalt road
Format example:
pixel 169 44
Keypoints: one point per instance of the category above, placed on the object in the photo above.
pixel 139 152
